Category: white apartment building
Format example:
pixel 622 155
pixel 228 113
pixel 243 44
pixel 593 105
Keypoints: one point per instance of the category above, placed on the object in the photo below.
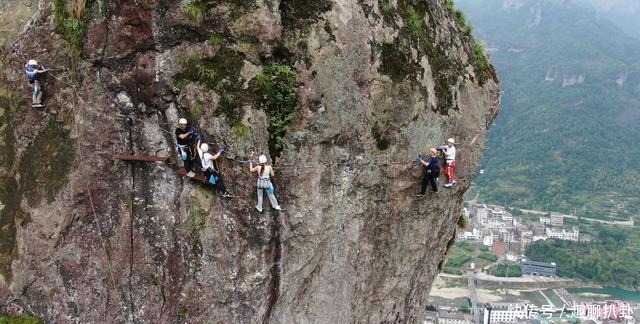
pixel 506 235
pixel 488 240
pixel 505 314
pixel 545 220
pixel 563 234
pixel 572 234
pixel 556 219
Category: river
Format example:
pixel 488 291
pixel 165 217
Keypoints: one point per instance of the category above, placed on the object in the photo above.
pixel 615 293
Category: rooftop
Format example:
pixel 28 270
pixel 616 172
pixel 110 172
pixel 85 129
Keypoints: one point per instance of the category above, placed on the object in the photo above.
pixel 452 315
pixel 538 263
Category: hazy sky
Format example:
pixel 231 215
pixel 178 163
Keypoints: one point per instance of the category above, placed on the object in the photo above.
pixel 621 6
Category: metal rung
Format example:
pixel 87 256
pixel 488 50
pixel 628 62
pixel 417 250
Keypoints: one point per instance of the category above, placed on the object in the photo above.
pixel 148 158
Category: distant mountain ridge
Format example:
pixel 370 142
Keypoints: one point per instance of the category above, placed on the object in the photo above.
pixel 567 136
pixel 624 13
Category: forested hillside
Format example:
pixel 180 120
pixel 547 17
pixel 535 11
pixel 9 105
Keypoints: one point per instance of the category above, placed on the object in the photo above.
pixel 609 260
pixel 567 137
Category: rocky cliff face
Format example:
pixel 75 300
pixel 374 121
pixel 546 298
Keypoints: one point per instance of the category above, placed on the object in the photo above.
pixel 342 94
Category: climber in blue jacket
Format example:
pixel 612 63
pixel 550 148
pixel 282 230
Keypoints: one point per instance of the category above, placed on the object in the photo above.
pixel 431 172
pixel 32 69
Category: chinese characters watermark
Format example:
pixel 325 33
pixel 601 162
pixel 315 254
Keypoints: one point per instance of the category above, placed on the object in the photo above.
pixel 611 310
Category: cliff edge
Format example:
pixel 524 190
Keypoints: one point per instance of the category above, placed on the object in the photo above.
pixel 341 94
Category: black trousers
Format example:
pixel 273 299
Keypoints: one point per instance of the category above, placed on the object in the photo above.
pixel 190 162
pixel 430 177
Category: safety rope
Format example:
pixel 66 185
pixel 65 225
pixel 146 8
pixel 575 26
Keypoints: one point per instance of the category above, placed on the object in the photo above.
pixel 93 209
pixel 244 160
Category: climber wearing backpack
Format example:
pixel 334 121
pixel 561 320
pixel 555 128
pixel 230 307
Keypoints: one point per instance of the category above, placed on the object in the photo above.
pixel 211 174
pixel 185 136
pixel 265 172
pixel 32 69
pixel 450 167
pixel 431 172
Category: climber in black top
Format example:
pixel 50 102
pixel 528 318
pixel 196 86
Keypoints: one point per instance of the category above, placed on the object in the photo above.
pixel 431 172
pixel 186 136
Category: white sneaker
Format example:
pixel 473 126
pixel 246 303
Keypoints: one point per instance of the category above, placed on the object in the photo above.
pixel 258 209
pixel 191 174
pixel 226 194
pixel 448 185
pixel 278 208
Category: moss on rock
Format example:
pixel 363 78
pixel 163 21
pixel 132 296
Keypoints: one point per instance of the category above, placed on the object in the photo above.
pixel 9 200
pixel 196 220
pixel 47 163
pixel 9 98
pixel 382 143
pixel 220 73
pixel 20 320
pixel 297 14
pixel 198 10
pixel 396 63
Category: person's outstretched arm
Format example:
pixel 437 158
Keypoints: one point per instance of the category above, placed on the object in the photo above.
pixel 252 168
pixel 217 155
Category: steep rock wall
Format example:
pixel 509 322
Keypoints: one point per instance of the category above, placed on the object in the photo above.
pixel 94 240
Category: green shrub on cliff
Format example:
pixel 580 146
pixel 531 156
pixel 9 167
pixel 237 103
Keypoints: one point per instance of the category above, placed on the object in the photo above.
pixel 69 19
pixel 277 84
pixel 195 11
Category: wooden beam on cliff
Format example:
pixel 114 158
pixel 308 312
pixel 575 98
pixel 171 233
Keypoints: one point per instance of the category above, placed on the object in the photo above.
pixel 145 158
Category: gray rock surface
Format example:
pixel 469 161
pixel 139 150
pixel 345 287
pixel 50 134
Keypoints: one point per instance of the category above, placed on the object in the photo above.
pixel 91 239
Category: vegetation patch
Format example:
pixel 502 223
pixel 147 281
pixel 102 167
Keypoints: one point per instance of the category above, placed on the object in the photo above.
pixel 609 260
pixel 20 320
pixel 463 221
pixel 10 100
pixel 70 19
pixel 220 73
pixel 197 11
pixel 506 270
pixel 382 143
pixel 386 9
pixel 298 14
pixel 46 164
pixel 241 131
pixel 395 62
pixel 396 57
pixel 277 85
pixel 9 198
pixel 484 69
pixel 196 109
pixel 196 220
pixel 215 40
pixel 23 218
pixel 413 19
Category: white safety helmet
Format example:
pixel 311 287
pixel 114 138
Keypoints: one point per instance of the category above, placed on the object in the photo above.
pixel 451 140
pixel 182 121
pixel 262 159
pixel 204 147
pixel 32 62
